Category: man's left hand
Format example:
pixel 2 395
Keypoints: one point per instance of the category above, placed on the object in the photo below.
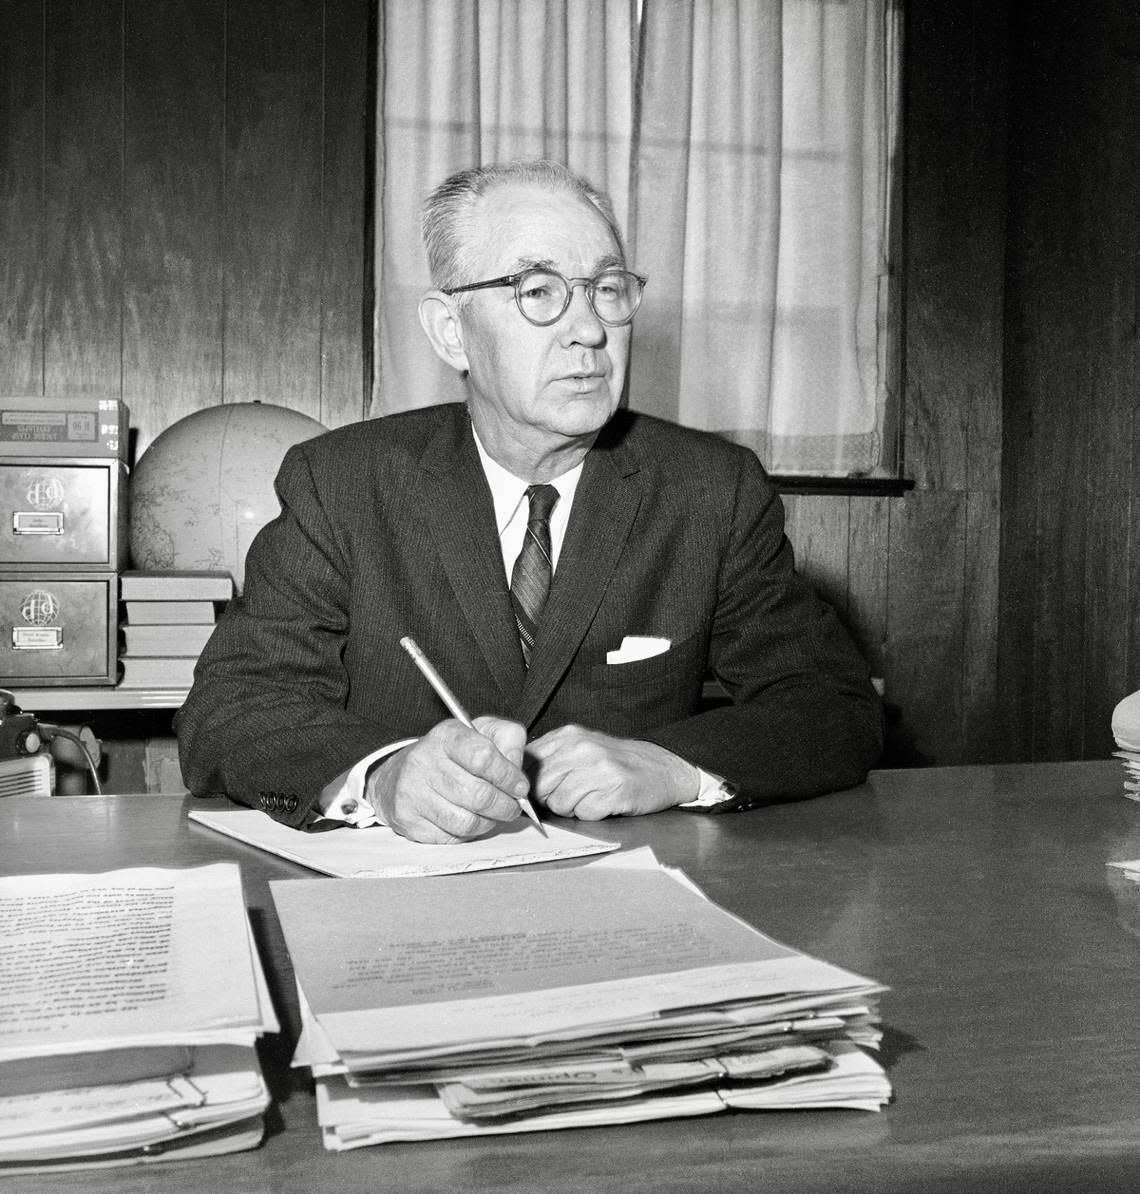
pixel 589 775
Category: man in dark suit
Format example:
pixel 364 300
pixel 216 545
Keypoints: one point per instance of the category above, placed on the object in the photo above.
pixel 574 569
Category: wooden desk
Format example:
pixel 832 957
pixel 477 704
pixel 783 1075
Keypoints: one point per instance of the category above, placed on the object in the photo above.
pixel 980 895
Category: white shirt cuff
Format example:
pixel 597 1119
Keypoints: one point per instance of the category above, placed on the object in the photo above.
pixel 708 794
pixel 343 799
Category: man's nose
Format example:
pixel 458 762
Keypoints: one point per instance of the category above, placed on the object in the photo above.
pixel 581 323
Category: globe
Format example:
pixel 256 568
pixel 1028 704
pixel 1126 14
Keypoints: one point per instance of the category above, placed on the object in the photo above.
pixel 204 487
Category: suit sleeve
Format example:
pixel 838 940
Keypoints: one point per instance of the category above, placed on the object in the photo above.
pixel 266 720
pixel 804 718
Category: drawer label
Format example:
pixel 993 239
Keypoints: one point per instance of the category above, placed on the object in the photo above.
pixel 33 522
pixel 37 638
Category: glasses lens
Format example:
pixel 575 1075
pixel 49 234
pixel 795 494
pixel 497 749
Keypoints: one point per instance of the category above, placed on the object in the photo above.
pixel 615 295
pixel 541 295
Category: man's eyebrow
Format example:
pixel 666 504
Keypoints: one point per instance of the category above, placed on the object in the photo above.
pixel 607 261
pixel 525 263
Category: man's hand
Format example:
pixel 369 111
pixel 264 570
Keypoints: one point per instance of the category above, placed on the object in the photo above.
pixel 585 774
pixel 454 783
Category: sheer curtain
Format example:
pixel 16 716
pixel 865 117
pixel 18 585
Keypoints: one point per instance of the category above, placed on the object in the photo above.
pixel 748 145
pixel 762 205
pixel 462 82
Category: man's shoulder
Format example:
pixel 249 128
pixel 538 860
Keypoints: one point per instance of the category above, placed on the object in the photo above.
pixel 405 432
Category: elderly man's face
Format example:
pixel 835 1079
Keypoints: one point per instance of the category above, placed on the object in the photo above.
pixel 541 386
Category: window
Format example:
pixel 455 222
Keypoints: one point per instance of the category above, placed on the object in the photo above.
pixel 751 150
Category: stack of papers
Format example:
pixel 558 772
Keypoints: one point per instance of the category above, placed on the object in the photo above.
pixel 513 1002
pixel 132 1003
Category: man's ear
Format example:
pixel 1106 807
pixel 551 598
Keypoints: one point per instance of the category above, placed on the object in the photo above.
pixel 440 321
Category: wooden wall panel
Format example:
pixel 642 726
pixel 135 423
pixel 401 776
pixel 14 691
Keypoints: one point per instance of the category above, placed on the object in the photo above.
pixel 817 527
pixel 842 545
pixel 21 198
pixel 184 199
pixel 1111 213
pixel 274 221
pixel 82 170
pixel 982 735
pixel 1054 588
pixel 927 608
pixel 953 253
pixel 173 179
pixel 868 558
pixel 1068 646
pixel 944 548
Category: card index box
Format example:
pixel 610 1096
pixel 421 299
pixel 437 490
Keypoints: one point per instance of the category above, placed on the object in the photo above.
pixel 58 628
pixel 62 513
pixel 72 426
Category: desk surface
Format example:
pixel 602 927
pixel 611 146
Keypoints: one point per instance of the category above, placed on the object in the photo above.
pixel 979 895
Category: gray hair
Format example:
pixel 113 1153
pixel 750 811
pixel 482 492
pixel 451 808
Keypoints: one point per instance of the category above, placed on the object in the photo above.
pixel 447 210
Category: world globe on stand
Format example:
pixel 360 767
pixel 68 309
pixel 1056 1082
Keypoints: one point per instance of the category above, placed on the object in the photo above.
pixel 203 488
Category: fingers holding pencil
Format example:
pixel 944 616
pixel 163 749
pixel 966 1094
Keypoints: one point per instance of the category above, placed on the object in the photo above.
pixel 520 790
pixel 460 780
pixel 455 783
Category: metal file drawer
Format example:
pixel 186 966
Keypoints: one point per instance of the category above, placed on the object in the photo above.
pixel 63 513
pixel 58 628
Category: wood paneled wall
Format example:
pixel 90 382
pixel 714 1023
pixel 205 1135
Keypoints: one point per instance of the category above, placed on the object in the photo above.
pixel 183 221
pixel 1070 576
pixel 182 190
pixel 1003 606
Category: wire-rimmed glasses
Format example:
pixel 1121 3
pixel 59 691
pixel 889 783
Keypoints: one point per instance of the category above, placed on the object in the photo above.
pixel 543 294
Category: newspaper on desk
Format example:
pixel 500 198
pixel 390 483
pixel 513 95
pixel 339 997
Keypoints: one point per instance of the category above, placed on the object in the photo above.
pixel 528 1001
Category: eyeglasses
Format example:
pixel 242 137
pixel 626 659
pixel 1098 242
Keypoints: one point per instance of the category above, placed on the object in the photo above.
pixel 543 295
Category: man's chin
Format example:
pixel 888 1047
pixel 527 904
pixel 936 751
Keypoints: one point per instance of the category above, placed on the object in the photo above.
pixel 584 412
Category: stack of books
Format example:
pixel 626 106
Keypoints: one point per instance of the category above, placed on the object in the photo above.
pixel 514 1002
pixel 118 1043
pixel 167 619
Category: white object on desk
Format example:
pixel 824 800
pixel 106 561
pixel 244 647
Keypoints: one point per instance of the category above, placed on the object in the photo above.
pixel 1126 722
pixel 380 853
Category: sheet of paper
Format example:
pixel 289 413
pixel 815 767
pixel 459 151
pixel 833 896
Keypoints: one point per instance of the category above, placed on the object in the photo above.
pixel 353 1118
pixel 125 958
pixel 222 1084
pixel 489 959
pixel 380 853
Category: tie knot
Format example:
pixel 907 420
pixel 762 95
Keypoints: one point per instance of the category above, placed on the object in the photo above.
pixel 542 499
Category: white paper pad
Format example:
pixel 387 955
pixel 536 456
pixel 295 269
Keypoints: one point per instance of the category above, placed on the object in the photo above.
pixel 380 853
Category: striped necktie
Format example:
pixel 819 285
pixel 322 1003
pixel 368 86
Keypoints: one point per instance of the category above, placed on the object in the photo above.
pixel 530 580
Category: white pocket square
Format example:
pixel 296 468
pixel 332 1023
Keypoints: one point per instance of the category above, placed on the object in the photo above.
pixel 635 646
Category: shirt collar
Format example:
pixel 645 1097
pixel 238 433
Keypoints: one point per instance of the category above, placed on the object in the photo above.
pixel 508 491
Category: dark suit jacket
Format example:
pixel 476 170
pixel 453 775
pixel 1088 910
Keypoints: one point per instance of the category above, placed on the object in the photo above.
pixel 387 528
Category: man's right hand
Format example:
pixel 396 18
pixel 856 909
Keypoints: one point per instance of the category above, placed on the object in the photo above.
pixel 454 783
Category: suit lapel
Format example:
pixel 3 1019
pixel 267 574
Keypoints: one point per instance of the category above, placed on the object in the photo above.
pixel 456 500
pixel 605 506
